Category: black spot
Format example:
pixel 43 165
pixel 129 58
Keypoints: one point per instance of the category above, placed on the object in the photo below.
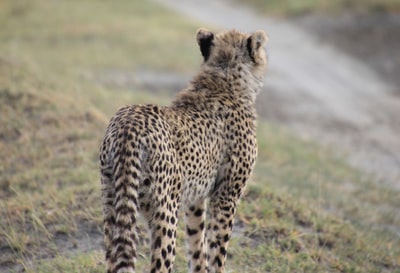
pixel 157 243
pixel 108 254
pixel 218 261
pixel 226 238
pixel 198 212
pixel 191 232
pixel 169 233
pixel 146 182
pixel 122 265
pixel 158 263
pixel 196 255
pixel 226 208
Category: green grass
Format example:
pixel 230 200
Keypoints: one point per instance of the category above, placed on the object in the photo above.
pixel 301 7
pixel 304 211
pixel 312 173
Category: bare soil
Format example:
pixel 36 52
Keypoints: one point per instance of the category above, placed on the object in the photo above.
pixel 373 39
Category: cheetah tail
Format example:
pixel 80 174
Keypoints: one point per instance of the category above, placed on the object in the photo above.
pixel 123 244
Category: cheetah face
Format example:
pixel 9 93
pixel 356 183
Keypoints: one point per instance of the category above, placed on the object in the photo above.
pixel 228 49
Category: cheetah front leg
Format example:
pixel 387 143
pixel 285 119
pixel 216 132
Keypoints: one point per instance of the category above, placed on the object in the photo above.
pixel 222 209
pixel 195 230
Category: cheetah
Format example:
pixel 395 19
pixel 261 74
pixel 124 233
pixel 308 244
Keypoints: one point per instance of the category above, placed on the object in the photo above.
pixel 195 155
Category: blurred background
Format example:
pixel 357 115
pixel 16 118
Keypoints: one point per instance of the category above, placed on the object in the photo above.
pixel 325 193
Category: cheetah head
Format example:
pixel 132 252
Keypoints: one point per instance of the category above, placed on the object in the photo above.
pixel 228 49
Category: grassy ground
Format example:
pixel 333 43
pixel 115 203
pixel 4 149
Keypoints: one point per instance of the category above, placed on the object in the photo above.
pixel 305 211
pixel 301 7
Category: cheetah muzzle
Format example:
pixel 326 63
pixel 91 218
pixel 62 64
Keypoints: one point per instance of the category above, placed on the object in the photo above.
pixel 195 154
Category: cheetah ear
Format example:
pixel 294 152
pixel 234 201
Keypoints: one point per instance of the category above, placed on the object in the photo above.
pixel 205 39
pixel 255 44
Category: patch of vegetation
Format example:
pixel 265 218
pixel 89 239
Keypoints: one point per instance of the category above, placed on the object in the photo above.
pixel 311 173
pixel 301 7
pixel 282 234
pixel 53 112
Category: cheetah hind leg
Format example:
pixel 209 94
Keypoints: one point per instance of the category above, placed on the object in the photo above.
pixel 163 227
pixel 196 246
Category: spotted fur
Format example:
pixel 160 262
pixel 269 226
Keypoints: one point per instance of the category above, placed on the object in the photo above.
pixel 197 153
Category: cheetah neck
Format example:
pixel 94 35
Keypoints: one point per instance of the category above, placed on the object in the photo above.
pixel 212 87
pixel 245 84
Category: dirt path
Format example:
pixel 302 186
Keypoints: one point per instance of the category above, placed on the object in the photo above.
pixel 317 91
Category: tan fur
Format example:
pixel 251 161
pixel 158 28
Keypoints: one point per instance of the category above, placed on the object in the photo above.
pixel 198 152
